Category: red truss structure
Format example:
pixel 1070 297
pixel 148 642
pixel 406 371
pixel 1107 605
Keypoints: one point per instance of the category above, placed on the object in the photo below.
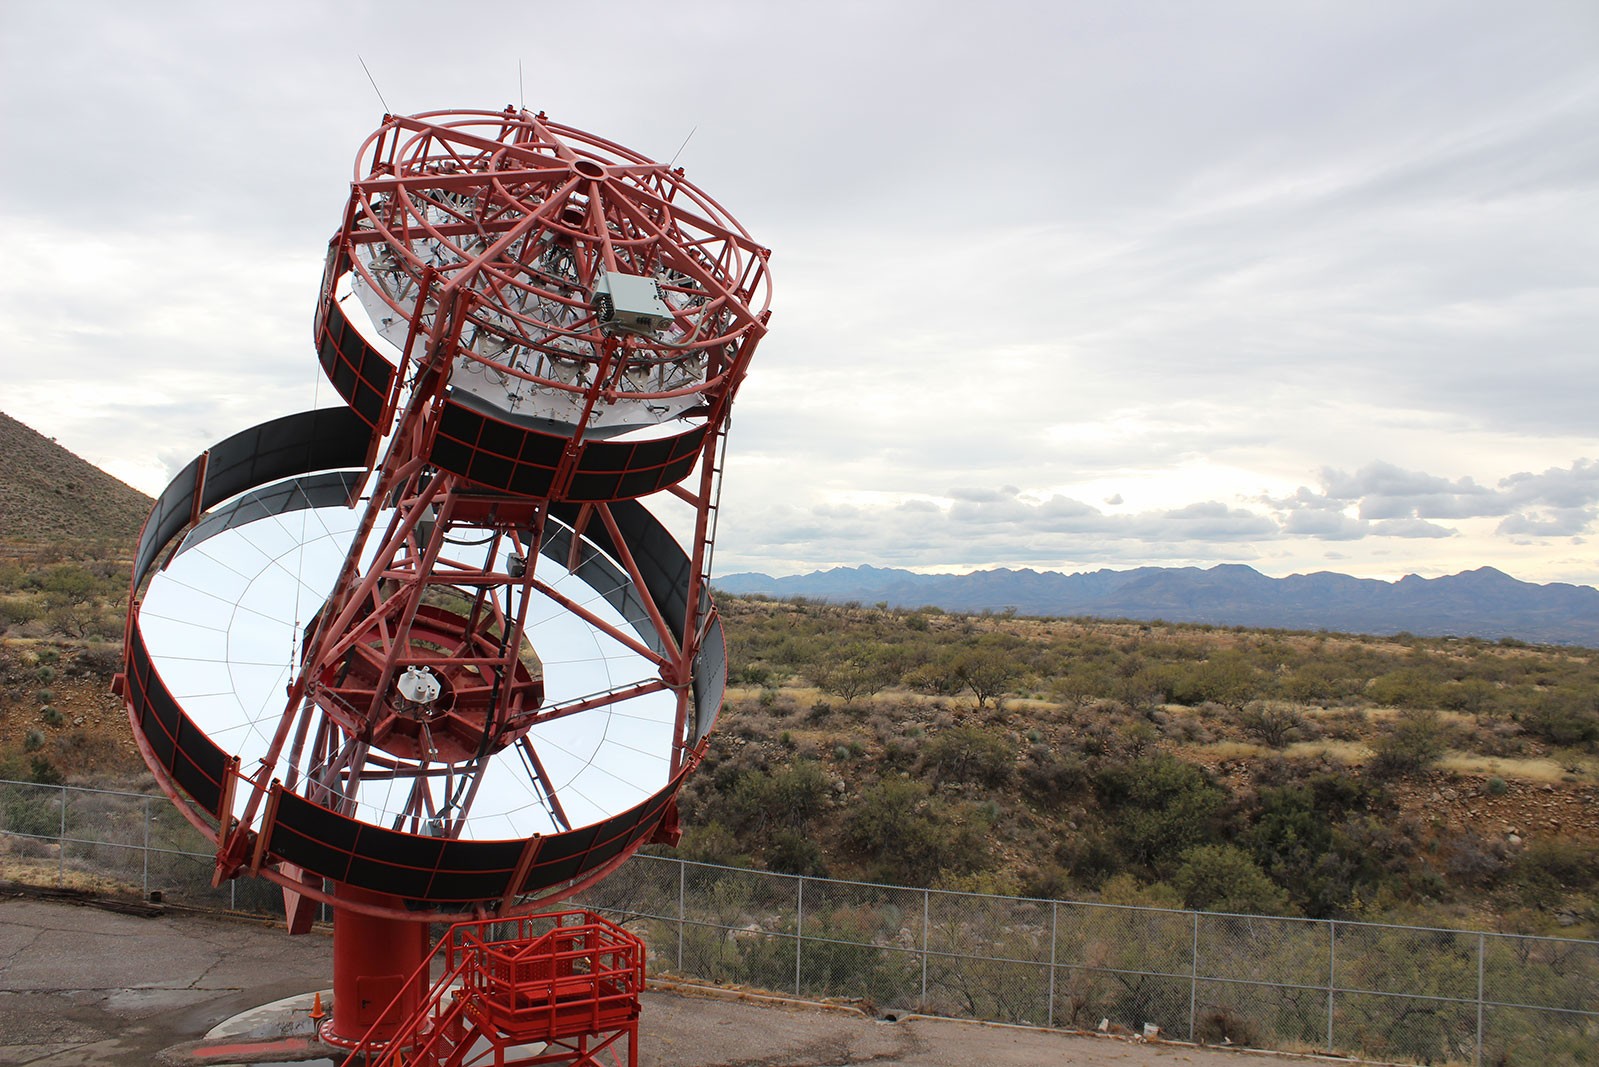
pixel 533 330
pixel 552 989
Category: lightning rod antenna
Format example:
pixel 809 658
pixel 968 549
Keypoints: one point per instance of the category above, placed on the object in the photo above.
pixel 682 146
pixel 386 109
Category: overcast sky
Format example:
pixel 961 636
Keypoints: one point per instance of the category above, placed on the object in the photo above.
pixel 1309 286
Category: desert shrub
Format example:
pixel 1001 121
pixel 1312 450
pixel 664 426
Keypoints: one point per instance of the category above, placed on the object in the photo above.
pixel 1128 890
pixel 1408 687
pixel 16 610
pixel 988 668
pixel 796 852
pixel 1348 724
pixel 751 674
pixel 905 835
pixel 1273 725
pixel 1563 717
pixel 1049 776
pixel 1047 881
pixel 1414 743
pixel 1089 855
pixel 788 797
pixel 1223 1026
pixel 1300 837
pixel 1226 878
pixel 1468 694
pixel 852 675
pixel 1162 806
pixel 1496 786
pixel 1319 681
pixel 1474 860
pixel 33 812
pixel 1228 679
pixel 102 659
pixel 711 842
pixel 1547 869
pixel 970 754
pixel 51 716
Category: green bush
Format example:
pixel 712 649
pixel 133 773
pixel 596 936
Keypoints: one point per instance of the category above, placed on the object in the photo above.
pixel 1414 743
pixel 1226 878
pixel 1050 776
pixel 796 852
pixel 787 797
pixel 852 675
pixel 16 610
pixel 908 837
pixel 29 811
pixel 1161 807
pixel 1563 717
pixel 1408 687
pixel 970 754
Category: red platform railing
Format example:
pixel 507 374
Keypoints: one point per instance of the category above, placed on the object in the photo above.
pixel 561 988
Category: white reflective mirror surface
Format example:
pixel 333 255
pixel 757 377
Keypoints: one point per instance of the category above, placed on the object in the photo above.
pixel 223 624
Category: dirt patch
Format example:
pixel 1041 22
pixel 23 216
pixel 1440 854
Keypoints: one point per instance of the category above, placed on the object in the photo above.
pixel 1529 810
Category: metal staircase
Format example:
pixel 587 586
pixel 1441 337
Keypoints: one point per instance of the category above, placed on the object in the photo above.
pixel 557 989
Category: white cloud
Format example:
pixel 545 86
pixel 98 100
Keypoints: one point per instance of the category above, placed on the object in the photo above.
pixel 1179 264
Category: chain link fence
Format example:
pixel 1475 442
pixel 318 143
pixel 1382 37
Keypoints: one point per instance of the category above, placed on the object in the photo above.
pixel 1395 993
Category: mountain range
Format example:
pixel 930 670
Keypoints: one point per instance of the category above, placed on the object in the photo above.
pixel 1484 603
pixel 47 493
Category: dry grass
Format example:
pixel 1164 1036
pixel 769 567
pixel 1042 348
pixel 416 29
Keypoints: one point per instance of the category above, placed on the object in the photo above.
pixel 1232 750
pixel 1525 770
pixel 1350 752
pixel 47 873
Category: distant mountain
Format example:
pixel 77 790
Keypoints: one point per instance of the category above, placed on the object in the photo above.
pixel 1481 603
pixel 47 492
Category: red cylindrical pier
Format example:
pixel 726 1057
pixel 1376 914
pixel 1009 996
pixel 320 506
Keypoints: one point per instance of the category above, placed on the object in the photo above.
pixel 375 959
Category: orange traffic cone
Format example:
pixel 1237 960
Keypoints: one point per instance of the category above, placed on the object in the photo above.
pixel 317 1013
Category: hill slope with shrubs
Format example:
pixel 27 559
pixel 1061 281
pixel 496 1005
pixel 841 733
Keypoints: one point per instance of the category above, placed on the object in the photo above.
pixel 47 493
pixel 1450 782
pixel 1266 771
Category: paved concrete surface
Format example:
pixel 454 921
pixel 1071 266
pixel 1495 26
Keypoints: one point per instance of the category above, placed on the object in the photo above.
pixel 87 987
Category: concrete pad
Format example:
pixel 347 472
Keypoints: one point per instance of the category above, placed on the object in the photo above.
pixel 88 988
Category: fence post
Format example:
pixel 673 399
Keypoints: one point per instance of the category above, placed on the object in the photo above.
pixel 799 932
pixel 61 843
pixel 1332 974
pixel 1476 1058
pixel 1193 980
pixel 682 912
pixel 1054 913
pixel 145 876
pixel 923 1004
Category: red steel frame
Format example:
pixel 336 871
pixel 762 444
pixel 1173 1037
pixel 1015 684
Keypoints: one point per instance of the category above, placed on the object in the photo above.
pixel 561 988
pixel 489 233
pixel 613 209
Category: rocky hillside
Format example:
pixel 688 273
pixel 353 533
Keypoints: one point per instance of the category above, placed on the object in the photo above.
pixel 47 493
